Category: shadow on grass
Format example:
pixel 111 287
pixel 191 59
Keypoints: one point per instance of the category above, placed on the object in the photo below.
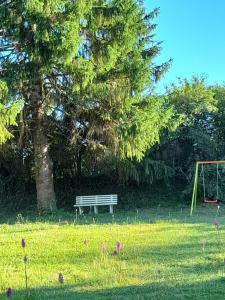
pixel 143 216
pixel 161 289
pixel 163 285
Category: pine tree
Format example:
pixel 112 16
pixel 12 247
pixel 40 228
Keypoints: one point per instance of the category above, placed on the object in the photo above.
pixel 91 61
pixel 37 38
pixel 113 81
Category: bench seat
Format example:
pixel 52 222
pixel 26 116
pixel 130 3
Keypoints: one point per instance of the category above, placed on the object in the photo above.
pixel 95 201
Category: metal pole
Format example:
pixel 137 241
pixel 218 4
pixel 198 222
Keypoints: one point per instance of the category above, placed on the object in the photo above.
pixel 203 181
pixel 217 180
pixel 195 190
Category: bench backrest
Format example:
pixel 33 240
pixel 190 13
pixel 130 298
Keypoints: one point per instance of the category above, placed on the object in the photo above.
pixel 96 200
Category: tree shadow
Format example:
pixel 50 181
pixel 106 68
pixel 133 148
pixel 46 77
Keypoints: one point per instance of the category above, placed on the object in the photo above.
pixel 122 217
pixel 160 289
pixel 177 257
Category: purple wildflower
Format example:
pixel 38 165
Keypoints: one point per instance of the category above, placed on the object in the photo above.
pixel 115 252
pixel 25 259
pixel 119 245
pixel 60 278
pixel 9 292
pixel 224 261
pixel 23 244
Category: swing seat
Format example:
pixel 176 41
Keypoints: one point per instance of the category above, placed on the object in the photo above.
pixel 210 201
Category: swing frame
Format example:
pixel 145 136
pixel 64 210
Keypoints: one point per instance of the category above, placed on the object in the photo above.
pixel 195 188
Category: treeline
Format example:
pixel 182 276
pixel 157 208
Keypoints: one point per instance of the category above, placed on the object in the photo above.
pixel 78 78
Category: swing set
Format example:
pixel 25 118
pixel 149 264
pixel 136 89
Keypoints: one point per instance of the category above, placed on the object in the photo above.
pixel 201 164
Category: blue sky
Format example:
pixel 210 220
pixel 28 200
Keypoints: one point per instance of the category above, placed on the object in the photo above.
pixel 193 35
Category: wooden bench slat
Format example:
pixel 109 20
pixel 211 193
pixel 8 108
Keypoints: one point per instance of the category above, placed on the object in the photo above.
pixel 91 202
pixel 94 204
pixel 86 204
pixel 96 200
pixel 100 199
pixel 96 197
pixel 113 195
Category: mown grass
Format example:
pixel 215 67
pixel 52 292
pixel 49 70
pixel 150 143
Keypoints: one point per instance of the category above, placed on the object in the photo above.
pixel 162 255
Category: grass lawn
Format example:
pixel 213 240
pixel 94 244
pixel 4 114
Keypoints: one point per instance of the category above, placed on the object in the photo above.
pixel 162 255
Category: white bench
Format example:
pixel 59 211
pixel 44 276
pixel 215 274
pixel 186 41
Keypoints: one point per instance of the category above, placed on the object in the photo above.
pixel 95 201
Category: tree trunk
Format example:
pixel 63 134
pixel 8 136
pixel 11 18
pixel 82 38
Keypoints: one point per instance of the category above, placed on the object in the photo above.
pixel 43 164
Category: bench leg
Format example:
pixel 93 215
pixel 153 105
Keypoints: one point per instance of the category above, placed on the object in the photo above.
pixel 90 210
pixel 111 209
pixel 80 210
pixel 95 209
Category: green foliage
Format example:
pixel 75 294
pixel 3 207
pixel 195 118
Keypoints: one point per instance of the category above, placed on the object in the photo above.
pixel 89 67
pixel 219 118
pixel 47 32
pixel 195 103
pixel 112 78
pixel 142 125
pixel 145 171
pixel 192 99
pixel 94 61
pixel 8 112
pixel 200 134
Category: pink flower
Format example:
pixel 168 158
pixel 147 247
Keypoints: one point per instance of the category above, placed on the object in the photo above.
pixel 119 245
